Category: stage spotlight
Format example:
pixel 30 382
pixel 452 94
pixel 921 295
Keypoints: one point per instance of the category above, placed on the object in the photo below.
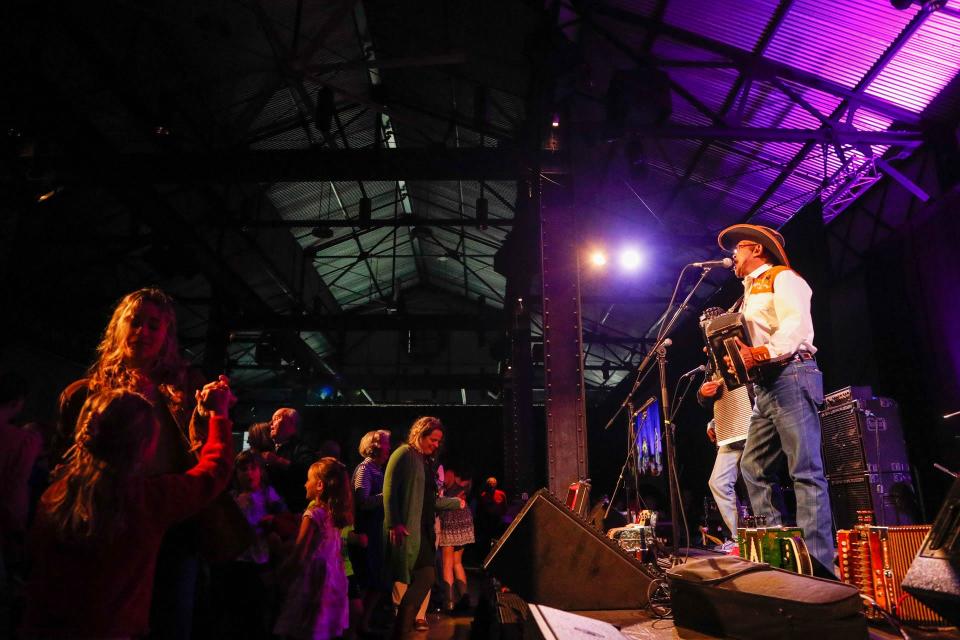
pixel 598 258
pixel 47 195
pixel 630 259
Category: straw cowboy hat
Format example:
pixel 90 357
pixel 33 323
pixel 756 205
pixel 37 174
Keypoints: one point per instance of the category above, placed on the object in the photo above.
pixel 770 239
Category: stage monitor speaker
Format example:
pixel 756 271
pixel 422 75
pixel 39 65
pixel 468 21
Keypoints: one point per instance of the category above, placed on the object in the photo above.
pixel 549 555
pixel 934 575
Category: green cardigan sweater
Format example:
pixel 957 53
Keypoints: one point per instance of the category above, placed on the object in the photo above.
pixel 403 489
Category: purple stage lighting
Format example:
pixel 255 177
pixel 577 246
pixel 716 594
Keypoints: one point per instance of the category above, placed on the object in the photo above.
pixel 631 259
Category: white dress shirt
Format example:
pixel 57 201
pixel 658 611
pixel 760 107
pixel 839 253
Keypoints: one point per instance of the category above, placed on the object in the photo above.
pixel 779 320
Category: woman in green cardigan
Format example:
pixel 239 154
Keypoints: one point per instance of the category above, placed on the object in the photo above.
pixel 411 501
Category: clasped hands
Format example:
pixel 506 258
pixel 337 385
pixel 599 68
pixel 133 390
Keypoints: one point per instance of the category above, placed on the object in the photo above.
pixel 215 397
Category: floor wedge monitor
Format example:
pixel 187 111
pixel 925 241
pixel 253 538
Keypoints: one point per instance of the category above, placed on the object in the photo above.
pixel 549 555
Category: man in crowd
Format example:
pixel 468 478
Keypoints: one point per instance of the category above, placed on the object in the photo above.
pixel 288 465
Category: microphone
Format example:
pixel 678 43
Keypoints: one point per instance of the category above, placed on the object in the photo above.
pixel 702 367
pixel 726 263
pixel 645 405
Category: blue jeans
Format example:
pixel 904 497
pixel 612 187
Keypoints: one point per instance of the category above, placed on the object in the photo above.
pixel 785 420
pixel 723 483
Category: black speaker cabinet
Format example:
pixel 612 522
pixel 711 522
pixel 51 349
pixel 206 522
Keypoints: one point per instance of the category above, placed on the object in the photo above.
pixel 865 459
pixel 934 575
pixel 888 496
pixel 549 555
pixel 862 435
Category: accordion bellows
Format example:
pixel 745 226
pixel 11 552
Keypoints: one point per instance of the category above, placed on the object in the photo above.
pixel 731 415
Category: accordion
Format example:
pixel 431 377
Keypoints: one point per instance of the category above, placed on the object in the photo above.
pixel 875 561
pixel 731 415
pixel 638 540
pixel 720 331
pixel 578 497
pixel 781 547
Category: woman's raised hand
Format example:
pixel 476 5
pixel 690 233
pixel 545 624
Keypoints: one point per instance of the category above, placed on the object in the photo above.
pixel 216 397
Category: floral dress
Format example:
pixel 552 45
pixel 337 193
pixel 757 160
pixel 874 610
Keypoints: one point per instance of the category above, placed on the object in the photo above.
pixel 316 605
pixel 456 527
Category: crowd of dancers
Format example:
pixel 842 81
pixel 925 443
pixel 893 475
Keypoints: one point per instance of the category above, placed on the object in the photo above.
pixel 133 517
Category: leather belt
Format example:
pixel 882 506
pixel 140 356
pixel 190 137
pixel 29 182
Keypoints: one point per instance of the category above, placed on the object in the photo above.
pixel 799 356
pixel 770 371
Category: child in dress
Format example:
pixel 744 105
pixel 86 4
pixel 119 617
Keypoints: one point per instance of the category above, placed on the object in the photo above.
pixel 258 501
pixel 98 527
pixel 316 605
pixel 245 607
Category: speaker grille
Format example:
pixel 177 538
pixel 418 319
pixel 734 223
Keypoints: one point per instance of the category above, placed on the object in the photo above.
pixel 842 447
pixel 848 495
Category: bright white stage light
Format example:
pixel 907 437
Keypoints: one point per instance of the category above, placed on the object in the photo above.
pixel 631 259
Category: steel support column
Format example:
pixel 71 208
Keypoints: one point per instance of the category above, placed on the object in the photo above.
pixel 518 467
pixel 518 450
pixel 563 342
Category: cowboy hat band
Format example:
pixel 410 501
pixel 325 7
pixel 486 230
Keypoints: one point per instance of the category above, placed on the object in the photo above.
pixel 768 238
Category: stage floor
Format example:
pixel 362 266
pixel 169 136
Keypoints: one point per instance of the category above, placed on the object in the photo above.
pixel 634 624
pixel 639 625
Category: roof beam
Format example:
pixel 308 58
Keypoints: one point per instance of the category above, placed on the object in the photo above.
pixel 760 67
pixel 400 221
pixel 297 165
pixel 839 135
pixel 852 101
pixel 399 164
pixel 410 381
pixel 353 323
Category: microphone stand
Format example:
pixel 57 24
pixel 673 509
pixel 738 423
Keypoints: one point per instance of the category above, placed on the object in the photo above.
pixel 629 465
pixel 659 351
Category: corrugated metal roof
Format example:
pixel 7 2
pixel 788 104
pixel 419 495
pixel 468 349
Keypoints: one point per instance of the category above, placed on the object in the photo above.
pixel 838 41
pixel 736 22
pixel 927 62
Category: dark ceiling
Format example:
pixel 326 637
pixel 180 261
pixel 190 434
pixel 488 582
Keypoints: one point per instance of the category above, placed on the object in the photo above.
pixel 310 180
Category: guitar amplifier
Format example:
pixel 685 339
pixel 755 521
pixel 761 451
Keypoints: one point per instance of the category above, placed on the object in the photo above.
pixel 875 560
pixel 865 459
pixel 863 436
pixel 887 497
pixel 847 394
